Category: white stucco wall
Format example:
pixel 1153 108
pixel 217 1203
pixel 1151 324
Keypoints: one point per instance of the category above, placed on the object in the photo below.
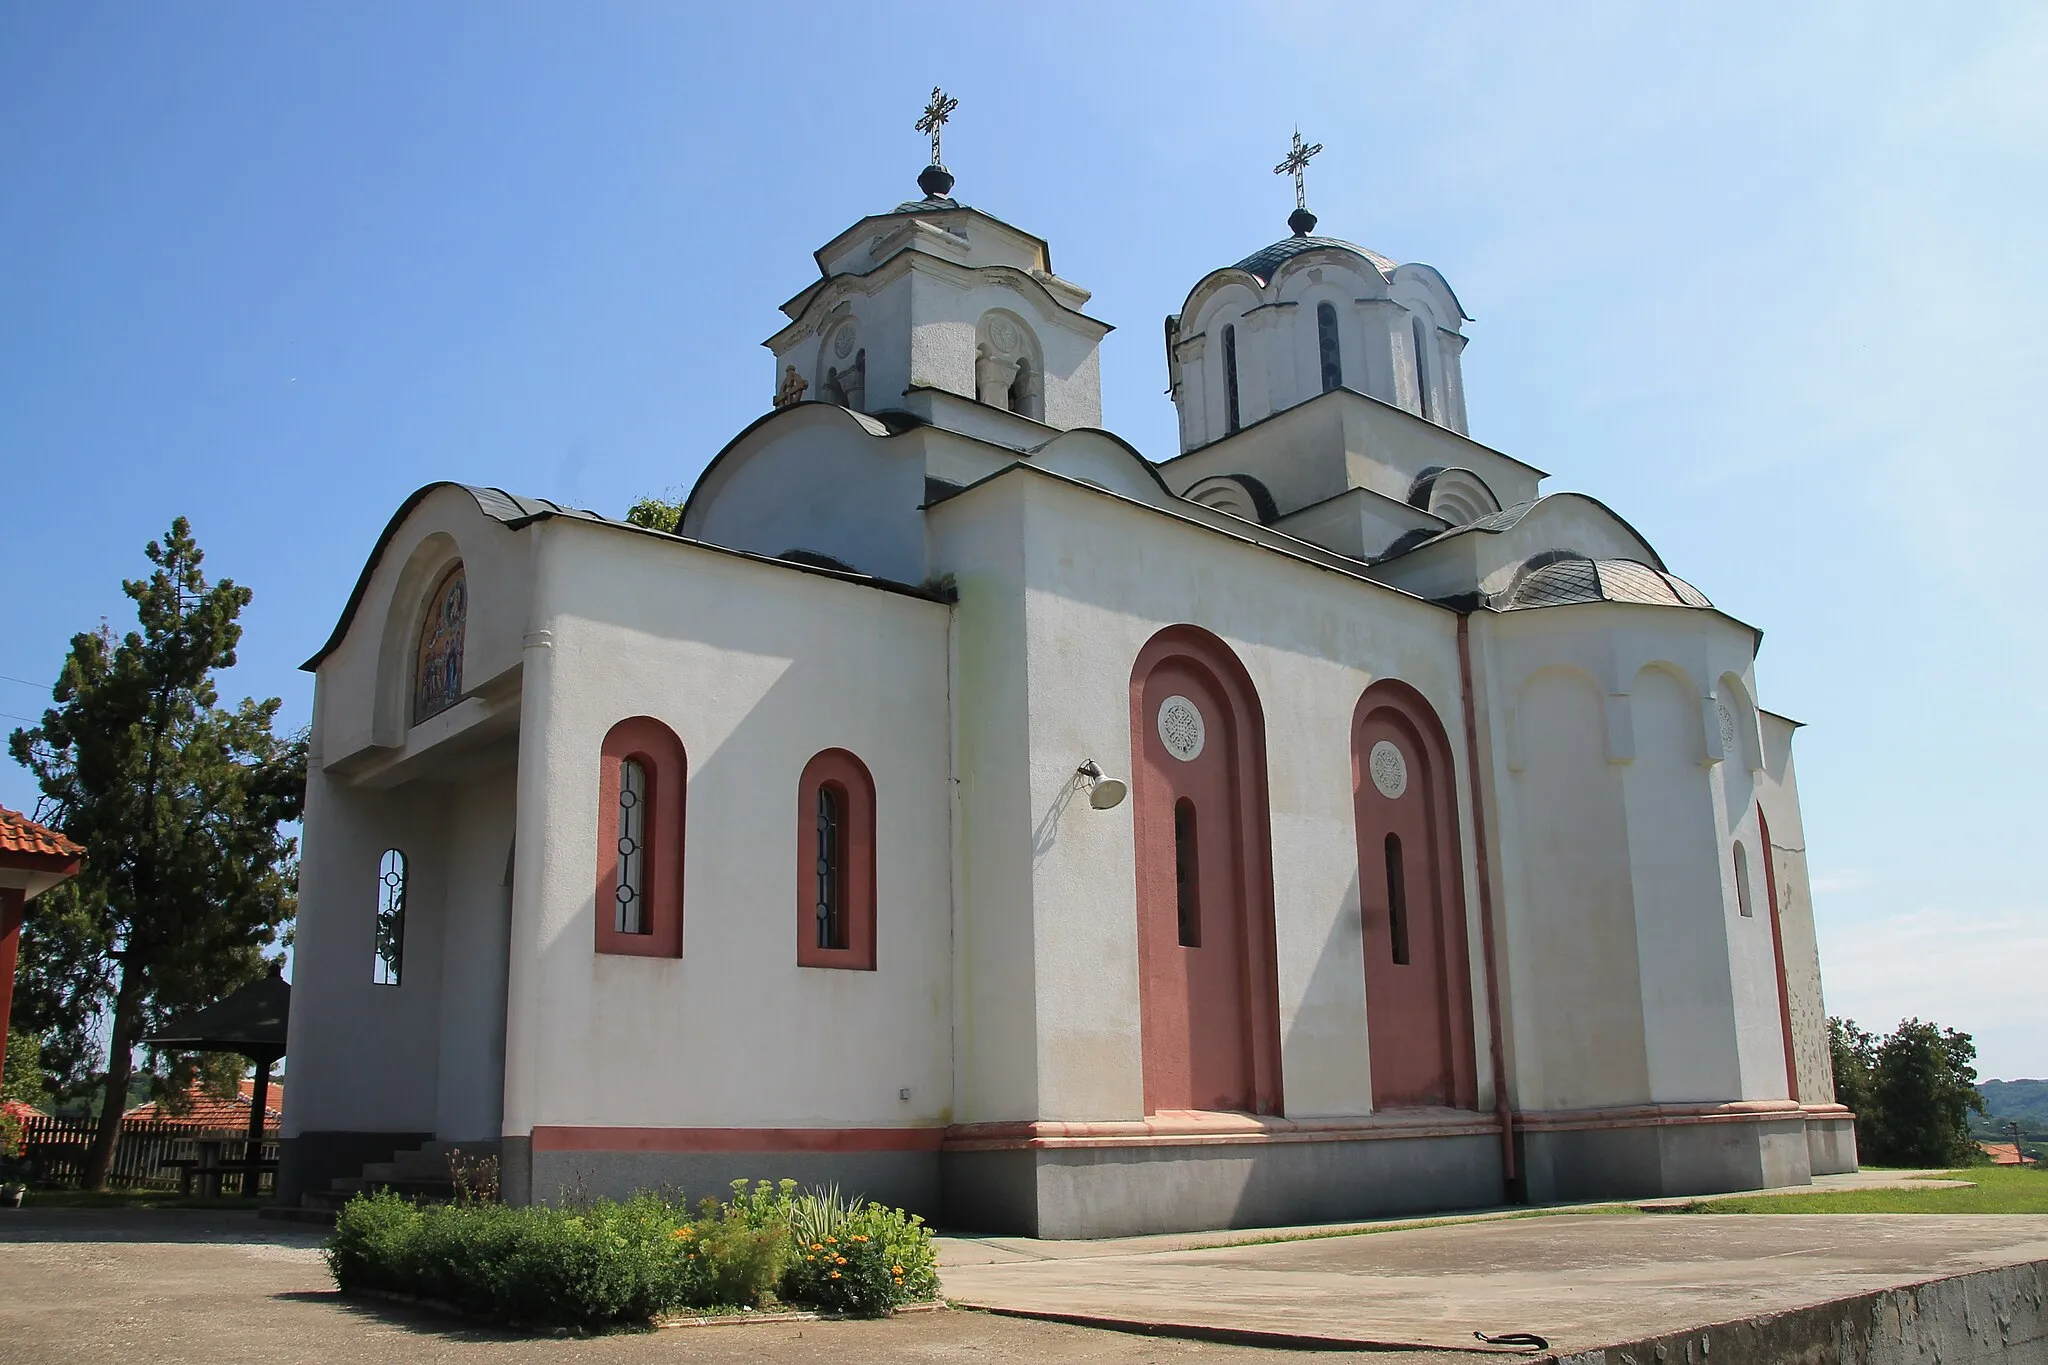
pixel 477 847
pixel 1099 578
pixel 756 668
pixel 1632 975
pixel 365 1057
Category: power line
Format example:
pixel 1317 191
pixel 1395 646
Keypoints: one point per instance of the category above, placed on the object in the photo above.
pixel 9 677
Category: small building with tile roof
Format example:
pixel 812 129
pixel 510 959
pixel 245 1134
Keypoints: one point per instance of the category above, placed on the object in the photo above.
pixel 33 859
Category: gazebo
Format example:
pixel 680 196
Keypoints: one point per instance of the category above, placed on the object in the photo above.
pixel 32 860
pixel 251 1022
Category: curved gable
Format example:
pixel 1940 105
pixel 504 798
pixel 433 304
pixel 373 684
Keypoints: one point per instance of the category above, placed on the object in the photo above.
pixel 366 667
pixel 1098 457
pixel 818 477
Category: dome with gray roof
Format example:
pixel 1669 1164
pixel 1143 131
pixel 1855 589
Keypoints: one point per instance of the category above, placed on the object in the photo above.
pixel 1574 578
pixel 1265 262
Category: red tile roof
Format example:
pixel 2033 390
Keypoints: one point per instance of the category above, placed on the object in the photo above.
pixel 211 1111
pixel 19 834
pixel 2003 1153
pixel 21 1109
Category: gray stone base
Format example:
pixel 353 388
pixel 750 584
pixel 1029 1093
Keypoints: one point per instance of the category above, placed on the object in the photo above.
pixel 907 1180
pixel 1128 1189
pixel 310 1161
pixel 1831 1145
pixel 1662 1159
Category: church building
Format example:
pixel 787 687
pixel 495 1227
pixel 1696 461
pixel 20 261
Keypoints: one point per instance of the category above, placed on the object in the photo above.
pixel 1323 821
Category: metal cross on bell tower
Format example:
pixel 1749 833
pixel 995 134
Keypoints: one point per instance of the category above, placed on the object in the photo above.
pixel 1301 220
pixel 933 121
pixel 935 180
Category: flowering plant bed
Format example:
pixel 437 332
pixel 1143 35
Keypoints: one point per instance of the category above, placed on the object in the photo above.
pixel 614 1264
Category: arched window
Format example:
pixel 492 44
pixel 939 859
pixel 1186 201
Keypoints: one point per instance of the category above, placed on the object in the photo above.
pixel 641 782
pixel 1230 408
pixel 1397 901
pixel 835 863
pixel 391 878
pixel 1742 902
pixel 1423 402
pixel 437 676
pixel 1187 874
pixel 1328 346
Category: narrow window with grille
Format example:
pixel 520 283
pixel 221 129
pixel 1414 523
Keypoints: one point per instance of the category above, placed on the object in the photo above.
pixel 1230 408
pixel 629 914
pixel 1187 873
pixel 831 869
pixel 1397 901
pixel 391 878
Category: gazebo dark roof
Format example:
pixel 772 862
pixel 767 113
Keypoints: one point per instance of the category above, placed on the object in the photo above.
pixel 250 1021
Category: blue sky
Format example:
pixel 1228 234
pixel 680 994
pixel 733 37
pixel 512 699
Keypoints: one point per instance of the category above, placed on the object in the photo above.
pixel 1765 278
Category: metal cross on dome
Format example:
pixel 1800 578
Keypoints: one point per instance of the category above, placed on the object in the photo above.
pixel 1295 164
pixel 934 120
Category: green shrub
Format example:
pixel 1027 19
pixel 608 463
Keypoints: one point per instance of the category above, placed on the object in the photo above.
pixel 609 1263
pixel 849 1275
pixel 907 1246
pixel 372 1238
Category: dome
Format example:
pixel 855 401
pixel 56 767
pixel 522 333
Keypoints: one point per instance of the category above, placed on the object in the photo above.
pixel 931 204
pixel 1264 263
pixel 1577 579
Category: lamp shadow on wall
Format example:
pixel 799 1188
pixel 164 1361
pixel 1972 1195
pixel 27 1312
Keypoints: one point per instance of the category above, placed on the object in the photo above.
pixel 1047 832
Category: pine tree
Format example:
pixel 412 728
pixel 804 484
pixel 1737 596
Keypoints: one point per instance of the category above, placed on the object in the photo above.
pixel 181 806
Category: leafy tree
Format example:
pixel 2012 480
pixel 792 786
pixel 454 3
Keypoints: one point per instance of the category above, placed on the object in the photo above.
pixel 1925 1089
pixel 656 513
pixel 1913 1091
pixel 1854 1054
pixel 25 1080
pixel 180 805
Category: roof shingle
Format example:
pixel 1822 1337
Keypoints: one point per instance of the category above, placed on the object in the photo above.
pixel 19 834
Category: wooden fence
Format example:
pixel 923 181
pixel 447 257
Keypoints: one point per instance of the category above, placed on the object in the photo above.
pixel 57 1149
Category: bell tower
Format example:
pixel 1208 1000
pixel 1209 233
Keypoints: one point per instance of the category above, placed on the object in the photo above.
pixel 945 312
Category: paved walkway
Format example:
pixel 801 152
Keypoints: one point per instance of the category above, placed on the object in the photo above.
pixel 1581 1281
pixel 94 1287
pixel 969 1251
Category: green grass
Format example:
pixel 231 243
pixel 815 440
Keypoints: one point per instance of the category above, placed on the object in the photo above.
pixel 1996 1189
pixel 131 1199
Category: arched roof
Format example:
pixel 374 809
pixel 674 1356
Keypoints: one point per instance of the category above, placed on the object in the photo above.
pixel 1574 578
pixel 1266 262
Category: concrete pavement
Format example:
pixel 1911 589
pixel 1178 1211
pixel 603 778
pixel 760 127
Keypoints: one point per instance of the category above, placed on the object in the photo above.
pixel 1580 1281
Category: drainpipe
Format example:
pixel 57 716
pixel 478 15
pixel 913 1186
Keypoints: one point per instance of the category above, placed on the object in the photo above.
pixel 1501 1108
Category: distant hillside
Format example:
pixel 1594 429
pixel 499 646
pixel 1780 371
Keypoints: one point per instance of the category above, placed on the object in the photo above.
pixel 2026 1101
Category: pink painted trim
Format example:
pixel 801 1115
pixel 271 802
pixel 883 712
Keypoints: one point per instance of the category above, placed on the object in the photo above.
pixel 569 1139
pixel 1763 825
pixel 1659 1115
pixel 1206 1128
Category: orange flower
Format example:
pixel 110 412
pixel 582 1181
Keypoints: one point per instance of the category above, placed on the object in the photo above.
pixel 817 1246
pixel 858 1237
pixel 835 1274
pixel 839 1260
